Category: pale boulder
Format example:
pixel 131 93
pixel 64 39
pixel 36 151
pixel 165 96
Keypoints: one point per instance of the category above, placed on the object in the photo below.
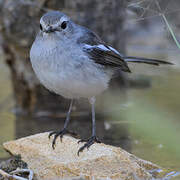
pixel 99 162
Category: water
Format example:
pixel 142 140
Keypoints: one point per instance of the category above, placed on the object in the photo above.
pixel 146 124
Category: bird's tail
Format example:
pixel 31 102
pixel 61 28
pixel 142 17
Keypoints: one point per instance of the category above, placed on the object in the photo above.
pixel 145 60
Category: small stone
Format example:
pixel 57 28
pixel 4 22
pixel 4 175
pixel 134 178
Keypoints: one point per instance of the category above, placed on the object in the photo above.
pixel 99 162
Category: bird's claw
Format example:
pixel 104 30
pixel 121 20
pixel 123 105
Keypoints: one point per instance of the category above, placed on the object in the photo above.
pixel 60 134
pixel 88 143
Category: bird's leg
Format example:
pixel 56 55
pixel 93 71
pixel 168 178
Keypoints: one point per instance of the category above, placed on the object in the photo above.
pixel 64 130
pixel 90 141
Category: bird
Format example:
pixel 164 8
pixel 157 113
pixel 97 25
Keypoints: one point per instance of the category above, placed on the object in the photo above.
pixel 74 62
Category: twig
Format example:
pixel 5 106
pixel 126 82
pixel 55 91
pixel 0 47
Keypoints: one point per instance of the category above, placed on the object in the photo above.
pixel 30 177
pixel 13 176
pixel 171 31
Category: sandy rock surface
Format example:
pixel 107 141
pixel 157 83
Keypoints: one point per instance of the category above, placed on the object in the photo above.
pixel 99 162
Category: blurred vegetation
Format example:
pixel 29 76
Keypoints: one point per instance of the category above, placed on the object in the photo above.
pixel 7 118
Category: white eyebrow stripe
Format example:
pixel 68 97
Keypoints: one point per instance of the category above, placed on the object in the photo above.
pixel 64 18
pixel 42 23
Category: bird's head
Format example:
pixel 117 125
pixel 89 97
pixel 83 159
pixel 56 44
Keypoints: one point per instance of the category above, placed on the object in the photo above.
pixel 55 23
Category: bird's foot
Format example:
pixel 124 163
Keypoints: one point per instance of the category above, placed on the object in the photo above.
pixel 60 134
pixel 88 143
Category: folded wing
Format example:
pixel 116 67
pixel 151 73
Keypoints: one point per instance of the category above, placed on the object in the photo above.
pixel 105 55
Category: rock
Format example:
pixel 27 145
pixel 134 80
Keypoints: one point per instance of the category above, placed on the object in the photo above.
pixel 99 162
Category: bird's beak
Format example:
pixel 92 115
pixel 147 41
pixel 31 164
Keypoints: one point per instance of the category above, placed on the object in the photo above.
pixel 49 30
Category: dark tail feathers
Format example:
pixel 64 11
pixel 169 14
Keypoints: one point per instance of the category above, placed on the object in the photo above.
pixel 145 60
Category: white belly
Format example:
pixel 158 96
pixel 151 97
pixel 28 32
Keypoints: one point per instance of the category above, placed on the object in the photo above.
pixel 72 86
pixel 69 76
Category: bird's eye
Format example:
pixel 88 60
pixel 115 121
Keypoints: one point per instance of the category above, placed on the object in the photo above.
pixel 40 26
pixel 64 25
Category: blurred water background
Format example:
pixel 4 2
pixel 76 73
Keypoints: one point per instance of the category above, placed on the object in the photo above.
pixel 145 123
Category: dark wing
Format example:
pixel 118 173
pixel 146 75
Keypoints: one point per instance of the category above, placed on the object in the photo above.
pixel 105 55
pixel 101 53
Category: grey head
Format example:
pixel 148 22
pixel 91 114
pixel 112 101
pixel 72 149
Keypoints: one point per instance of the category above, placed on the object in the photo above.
pixel 55 23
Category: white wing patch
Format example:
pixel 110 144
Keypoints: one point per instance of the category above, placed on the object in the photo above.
pixel 102 47
pixel 114 50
